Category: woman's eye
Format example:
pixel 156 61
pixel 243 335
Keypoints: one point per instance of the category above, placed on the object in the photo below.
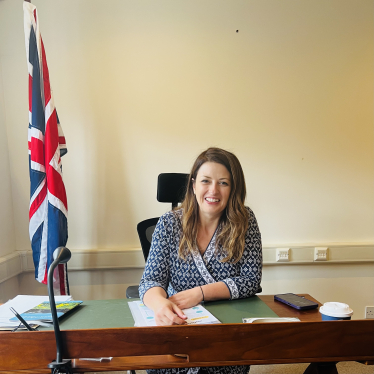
pixel 224 183
pixel 204 181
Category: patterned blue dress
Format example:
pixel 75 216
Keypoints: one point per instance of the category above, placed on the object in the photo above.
pixel 166 270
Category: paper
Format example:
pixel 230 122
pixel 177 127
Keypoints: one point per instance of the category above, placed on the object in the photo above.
pixel 269 319
pixel 19 327
pixel 144 316
pixel 21 304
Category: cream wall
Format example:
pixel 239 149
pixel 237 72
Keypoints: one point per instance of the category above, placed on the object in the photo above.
pixel 7 235
pixel 141 87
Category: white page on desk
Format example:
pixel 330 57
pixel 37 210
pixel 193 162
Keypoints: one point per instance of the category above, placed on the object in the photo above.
pixel 137 315
pixel 199 315
pixel 21 304
pixel 144 316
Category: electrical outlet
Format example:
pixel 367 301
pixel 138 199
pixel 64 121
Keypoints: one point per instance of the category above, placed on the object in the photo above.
pixel 320 253
pixel 369 312
pixel 283 254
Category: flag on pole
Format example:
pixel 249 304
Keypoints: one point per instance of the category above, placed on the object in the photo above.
pixel 48 227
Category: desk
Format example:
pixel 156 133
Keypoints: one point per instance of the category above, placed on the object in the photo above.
pixel 311 340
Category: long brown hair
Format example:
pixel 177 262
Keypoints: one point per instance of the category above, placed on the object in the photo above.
pixel 235 217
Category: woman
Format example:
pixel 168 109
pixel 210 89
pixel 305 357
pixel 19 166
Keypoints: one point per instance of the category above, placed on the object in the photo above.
pixel 208 249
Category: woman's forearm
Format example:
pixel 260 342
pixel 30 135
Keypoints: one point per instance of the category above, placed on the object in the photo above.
pixel 153 296
pixel 215 291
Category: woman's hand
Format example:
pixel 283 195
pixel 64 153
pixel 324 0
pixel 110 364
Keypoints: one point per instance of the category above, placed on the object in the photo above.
pixel 167 313
pixel 188 298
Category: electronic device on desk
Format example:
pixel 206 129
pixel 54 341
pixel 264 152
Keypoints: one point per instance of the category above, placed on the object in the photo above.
pixel 295 301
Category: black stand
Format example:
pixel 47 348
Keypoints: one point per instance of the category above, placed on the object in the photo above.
pixel 61 256
pixel 61 367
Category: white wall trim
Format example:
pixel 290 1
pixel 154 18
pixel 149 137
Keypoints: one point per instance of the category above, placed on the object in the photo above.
pixel 93 259
pixel 132 258
pixel 10 266
pixel 337 254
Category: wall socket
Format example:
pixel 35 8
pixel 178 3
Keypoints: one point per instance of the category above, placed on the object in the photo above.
pixel 283 254
pixel 320 253
pixel 369 312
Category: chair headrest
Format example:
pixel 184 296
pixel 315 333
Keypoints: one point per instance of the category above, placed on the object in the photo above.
pixel 171 187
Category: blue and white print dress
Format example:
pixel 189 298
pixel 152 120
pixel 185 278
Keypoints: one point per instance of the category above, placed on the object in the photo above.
pixel 166 270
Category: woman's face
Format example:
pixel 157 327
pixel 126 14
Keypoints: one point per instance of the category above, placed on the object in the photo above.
pixel 212 189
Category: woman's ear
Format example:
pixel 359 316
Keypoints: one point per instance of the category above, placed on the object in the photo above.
pixel 193 186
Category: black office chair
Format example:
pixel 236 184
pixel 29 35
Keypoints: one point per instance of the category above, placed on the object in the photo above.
pixel 171 188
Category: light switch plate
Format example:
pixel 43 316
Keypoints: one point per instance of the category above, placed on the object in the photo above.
pixel 369 312
pixel 320 253
pixel 282 254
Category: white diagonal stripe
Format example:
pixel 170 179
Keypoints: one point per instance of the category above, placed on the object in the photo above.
pixel 36 166
pixel 37 191
pixel 43 254
pixel 38 218
pixel 35 133
pixel 56 202
pixel 56 161
pixel 49 108
pixel 30 68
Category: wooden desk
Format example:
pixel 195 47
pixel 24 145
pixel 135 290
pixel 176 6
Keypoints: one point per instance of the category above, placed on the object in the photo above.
pixel 208 345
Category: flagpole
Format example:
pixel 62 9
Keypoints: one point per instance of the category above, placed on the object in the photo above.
pixel 46 142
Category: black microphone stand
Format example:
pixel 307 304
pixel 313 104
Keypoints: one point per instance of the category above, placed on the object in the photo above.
pixel 61 256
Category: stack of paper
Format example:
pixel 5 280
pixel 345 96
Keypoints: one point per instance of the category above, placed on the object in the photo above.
pixel 144 316
pixel 21 304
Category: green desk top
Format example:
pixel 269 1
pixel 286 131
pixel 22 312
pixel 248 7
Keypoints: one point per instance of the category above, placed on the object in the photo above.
pixel 234 310
pixel 116 313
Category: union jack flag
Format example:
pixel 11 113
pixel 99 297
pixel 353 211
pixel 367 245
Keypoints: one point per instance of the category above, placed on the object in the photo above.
pixel 48 227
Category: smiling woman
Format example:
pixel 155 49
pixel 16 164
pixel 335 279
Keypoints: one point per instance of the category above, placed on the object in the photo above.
pixel 207 249
pixel 215 175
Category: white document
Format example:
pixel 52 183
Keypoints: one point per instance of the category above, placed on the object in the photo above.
pixel 270 319
pixel 144 316
pixel 21 304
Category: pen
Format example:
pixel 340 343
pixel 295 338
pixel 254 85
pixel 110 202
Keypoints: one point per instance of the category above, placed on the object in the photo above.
pixel 22 320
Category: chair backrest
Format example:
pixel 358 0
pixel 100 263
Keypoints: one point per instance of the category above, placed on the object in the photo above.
pixel 171 188
pixel 145 230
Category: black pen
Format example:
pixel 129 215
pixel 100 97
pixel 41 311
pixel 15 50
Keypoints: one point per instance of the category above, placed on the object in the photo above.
pixel 22 320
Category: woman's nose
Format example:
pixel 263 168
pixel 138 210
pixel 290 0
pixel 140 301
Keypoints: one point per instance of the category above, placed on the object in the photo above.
pixel 213 187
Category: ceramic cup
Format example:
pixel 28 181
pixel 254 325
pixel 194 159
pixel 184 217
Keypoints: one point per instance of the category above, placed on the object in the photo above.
pixel 334 311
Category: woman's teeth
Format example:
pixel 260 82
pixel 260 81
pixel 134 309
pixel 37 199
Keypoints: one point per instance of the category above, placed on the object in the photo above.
pixel 211 200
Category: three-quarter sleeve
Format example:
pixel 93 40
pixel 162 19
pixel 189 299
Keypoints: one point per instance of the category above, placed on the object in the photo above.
pixel 250 265
pixel 157 268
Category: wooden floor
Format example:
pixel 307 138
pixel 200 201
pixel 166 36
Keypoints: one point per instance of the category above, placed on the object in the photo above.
pixel 343 368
